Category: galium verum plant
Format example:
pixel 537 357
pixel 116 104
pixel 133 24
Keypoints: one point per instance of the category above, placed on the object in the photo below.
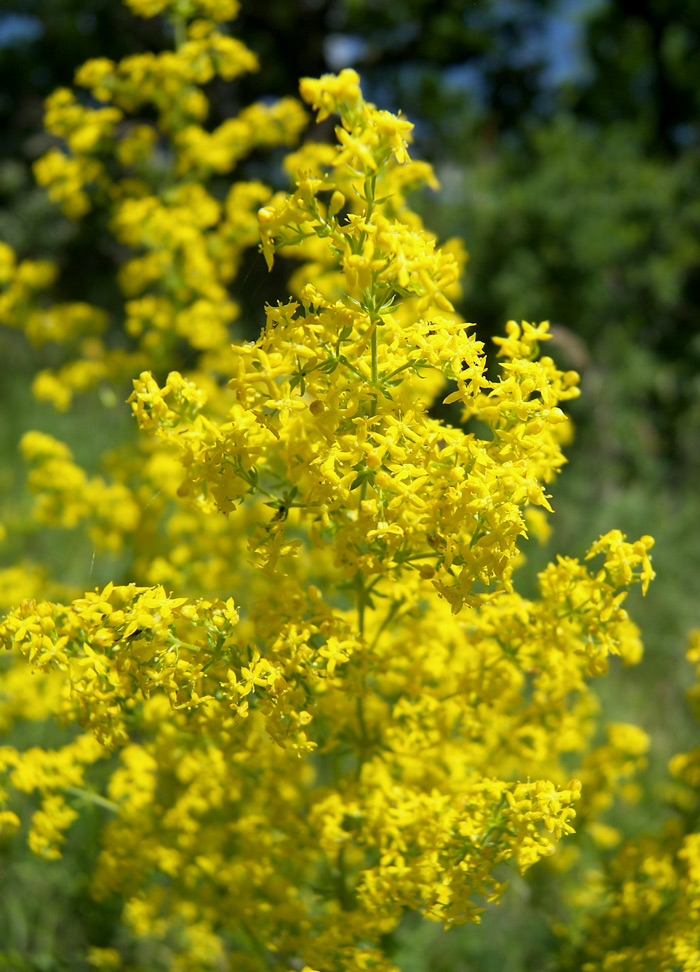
pixel 353 713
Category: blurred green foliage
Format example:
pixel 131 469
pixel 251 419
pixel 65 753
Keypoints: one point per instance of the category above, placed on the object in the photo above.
pixel 581 226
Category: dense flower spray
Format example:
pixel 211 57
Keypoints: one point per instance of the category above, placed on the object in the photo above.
pixel 316 701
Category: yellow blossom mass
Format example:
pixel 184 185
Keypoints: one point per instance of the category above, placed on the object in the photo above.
pixel 313 700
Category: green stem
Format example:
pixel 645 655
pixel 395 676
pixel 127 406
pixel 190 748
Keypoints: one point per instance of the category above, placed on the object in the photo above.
pixel 375 368
pixel 364 735
pixel 343 893
pixel 360 599
pixel 91 797
pixel 177 643
pixel 180 27
pixel 390 616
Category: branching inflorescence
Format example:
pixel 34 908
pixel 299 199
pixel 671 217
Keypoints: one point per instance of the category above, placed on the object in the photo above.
pixel 319 701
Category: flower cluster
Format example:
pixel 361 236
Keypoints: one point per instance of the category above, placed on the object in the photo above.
pixel 186 241
pixel 641 909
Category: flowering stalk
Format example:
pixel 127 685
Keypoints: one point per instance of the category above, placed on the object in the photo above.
pixel 347 711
